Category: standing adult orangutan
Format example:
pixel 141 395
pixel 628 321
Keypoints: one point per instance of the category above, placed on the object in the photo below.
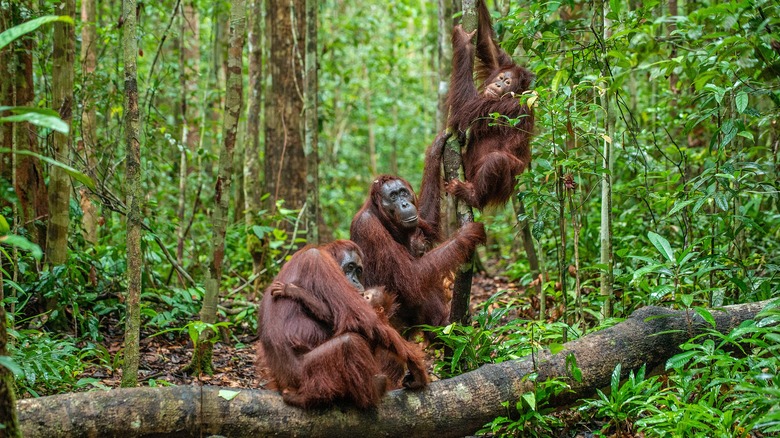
pixel 398 236
pixel 496 151
pixel 321 341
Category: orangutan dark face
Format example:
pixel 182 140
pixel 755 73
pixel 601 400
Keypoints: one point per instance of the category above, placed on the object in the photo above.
pixel 398 203
pixel 352 265
pixel 503 83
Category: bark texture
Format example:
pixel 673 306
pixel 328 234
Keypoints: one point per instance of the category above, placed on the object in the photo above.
pixel 134 194
pixel 447 408
pixel 285 161
pixel 8 413
pixel 89 141
pixel 311 149
pixel 29 183
pixel 453 165
pixel 201 360
pixel 253 191
pixel 189 61
pixel 63 58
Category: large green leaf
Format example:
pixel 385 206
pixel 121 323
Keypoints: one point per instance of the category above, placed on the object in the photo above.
pixel 17 31
pixel 662 245
pixel 9 364
pixel 23 244
pixel 38 119
pixel 75 174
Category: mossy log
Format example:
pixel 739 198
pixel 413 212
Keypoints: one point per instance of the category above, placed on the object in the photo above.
pixel 448 408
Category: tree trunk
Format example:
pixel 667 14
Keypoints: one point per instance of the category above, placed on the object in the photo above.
pixel 190 135
pixel 253 192
pixel 444 60
pixel 8 415
pixel 605 239
pixel 372 166
pixel 63 56
pixel 447 9
pixel 201 358
pixel 7 74
pixel 453 407
pixel 285 161
pixel 527 238
pixel 453 165
pixel 311 149
pixel 88 116
pixel 134 194
pixel 29 184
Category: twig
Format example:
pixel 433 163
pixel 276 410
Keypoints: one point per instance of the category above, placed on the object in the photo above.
pixel 157 55
pixel 115 204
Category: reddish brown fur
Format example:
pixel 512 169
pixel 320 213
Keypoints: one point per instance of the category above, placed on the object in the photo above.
pixel 323 348
pixel 496 152
pixel 385 307
pixel 405 261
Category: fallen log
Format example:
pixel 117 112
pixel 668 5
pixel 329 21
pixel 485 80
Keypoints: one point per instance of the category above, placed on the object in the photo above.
pixel 448 408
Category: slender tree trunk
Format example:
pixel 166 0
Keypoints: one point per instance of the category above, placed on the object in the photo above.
pixel 29 184
pixel 88 116
pixel 527 238
pixel 447 9
pixel 285 161
pixel 253 191
pixel 63 57
pixel 8 415
pixel 444 60
pixel 461 291
pixel 311 148
pixel 134 195
pixel 602 28
pixel 671 27
pixel 238 165
pixel 7 73
pixel 372 166
pixel 190 134
pixel 201 358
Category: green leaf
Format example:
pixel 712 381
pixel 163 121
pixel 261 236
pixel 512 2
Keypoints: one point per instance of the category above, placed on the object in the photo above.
pixel 741 101
pixel 706 315
pixel 30 109
pixel 679 361
pixel 261 230
pixel 729 130
pixel 23 244
pixel 721 201
pixel 45 121
pixel 75 174
pixel 574 370
pixel 615 6
pixel 8 363
pixel 228 395
pixel 15 32
pixel 559 76
pixel 530 398
pixel 662 245
pixel 4 228
pixel 679 205
pixel 615 380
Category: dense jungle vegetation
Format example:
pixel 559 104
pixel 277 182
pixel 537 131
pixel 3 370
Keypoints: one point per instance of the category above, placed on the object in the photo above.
pixel 654 181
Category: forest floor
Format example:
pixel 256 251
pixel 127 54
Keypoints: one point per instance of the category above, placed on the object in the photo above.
pixel 163 357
